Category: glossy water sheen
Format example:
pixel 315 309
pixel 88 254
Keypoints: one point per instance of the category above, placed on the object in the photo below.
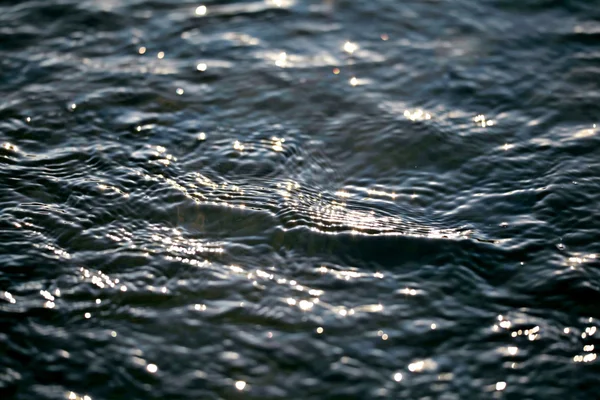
pixel 299 199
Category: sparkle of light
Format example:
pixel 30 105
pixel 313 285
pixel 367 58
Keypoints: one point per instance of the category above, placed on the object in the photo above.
pixel 281 60
pixel 350 47
pixel 152 368
pixel 481 120
pixel 306 305
pixel 505 324
pixel 591 330
pixel 417 115
pixel 416 366
pixel 10 298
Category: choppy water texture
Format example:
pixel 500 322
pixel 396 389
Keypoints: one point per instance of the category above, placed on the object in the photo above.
pixel 299 199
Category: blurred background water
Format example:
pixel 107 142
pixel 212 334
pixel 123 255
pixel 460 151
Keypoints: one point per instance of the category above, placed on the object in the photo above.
pixel 289 199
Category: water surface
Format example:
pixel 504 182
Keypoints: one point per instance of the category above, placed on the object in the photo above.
pixel 299 199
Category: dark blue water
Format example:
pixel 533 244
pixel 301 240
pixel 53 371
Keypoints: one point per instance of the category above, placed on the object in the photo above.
pixel 289 199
